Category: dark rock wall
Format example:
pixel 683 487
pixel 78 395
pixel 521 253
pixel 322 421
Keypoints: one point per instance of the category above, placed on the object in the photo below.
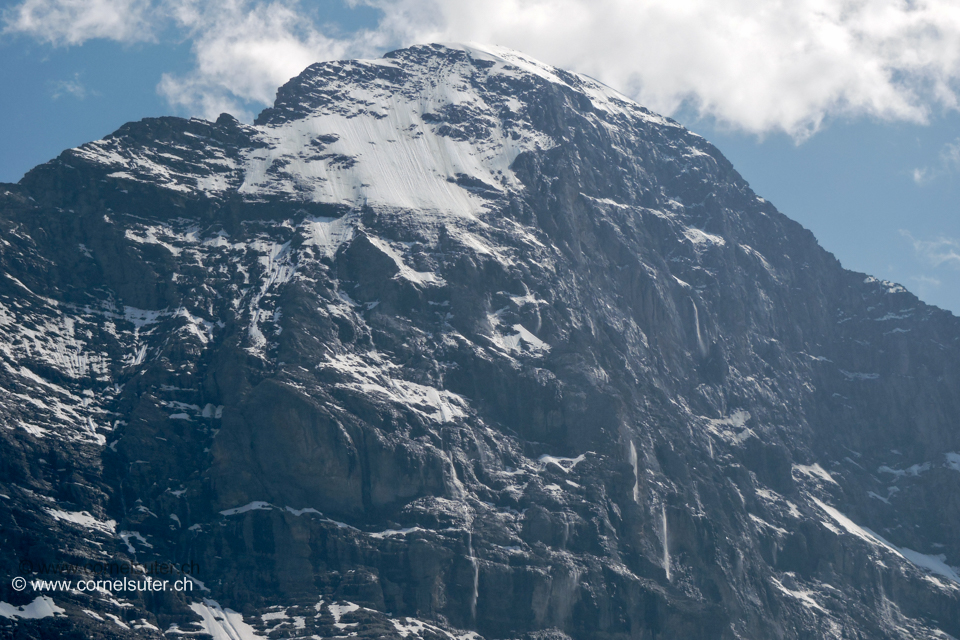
pixel 695 385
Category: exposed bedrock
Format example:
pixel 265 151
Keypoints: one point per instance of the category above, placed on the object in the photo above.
pixel 453 343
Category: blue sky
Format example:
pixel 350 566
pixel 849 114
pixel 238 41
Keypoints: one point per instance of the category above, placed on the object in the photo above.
pixel 843 113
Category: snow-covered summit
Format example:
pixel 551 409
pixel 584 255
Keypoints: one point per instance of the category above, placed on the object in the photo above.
pixel 435 128
pixel 434 75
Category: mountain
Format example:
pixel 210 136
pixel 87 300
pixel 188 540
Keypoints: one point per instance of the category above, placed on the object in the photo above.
pixel 454 344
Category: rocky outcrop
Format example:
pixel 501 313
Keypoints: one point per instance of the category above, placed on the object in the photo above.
pixel 454 343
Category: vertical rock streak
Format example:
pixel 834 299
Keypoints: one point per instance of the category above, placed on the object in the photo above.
pixel 666 542
pixel 474 594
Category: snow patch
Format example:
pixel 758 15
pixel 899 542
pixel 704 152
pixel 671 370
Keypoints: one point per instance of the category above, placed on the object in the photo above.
pixel 913 470
pixel 816 472
pixel 435 404
pixel 566 464
pixel 328 234
pixel 405 272
pixel 515 342
pixel 223 624
pixel 805 597
pixel 701 239
pixel 339 610
pixel 256 505
pixel 733 428
pixel 41 607
pixel 932 564
pixel 84 519
pixel 953 461
pixel 126 536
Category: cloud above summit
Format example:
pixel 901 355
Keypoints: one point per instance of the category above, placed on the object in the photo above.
pixel 243 52
pixel 754 65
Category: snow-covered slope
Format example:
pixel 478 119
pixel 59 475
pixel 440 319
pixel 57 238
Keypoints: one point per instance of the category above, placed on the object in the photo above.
pixel 435 134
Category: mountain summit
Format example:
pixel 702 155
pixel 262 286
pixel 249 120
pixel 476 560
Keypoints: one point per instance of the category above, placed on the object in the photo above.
pixel 430 129
pixel 455 344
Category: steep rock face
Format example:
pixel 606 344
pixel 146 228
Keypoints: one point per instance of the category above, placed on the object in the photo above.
pixel 454 342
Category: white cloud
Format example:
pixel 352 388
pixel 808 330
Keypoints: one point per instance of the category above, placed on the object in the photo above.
pixel 754 65
pixel 757 65
pixel 243 52
pixel 71 22
pixel 928 282
pixel 243 49
pixel 948 163
pixel 72 87
pixel 938 252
